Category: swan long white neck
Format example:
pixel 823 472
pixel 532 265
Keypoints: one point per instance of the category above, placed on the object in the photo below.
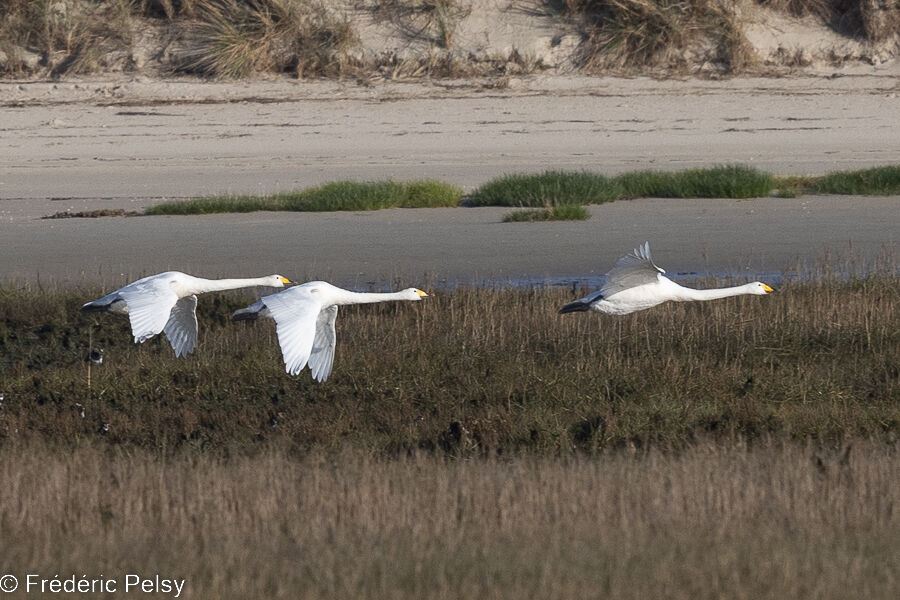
pixel 219 285
pixel 348 297
pixel 716 293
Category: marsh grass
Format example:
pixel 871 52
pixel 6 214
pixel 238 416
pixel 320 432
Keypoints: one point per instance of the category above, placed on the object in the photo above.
pixel 726 181
pixel 352 195
pixel 476 444
pixel 772 521
pixel 560 212
pixel 549 187
pixel 583 187
pixel 876 181
pixel 335 196
pixel 215 204
pixel 879 181
pixel 472 371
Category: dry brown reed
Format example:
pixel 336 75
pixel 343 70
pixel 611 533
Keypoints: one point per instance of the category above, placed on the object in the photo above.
pixel 433 21
pixel 637 35
pixel 70 36
pixel 239 38
pixel 776 521
pixel 874 20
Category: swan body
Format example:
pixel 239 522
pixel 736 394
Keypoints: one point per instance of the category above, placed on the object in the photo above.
pixel 167 302
pixel 304 321
pixel 636 283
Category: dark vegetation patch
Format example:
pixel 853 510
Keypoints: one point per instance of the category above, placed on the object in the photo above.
pixel 560 212
pixel 93 214
pixel 474 371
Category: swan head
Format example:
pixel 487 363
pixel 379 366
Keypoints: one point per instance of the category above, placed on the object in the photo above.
pixel 759 288
pixel 277 281
pixel 414 294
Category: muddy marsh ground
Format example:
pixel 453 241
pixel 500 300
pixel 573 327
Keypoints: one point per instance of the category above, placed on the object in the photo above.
pixel 472 371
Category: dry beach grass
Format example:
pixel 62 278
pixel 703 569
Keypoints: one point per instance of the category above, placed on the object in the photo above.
pixel 372 39
pixel 771 521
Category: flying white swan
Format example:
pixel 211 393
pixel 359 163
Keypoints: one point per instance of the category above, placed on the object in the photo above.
pixel 167 302
pixel 304 320
pixel 636 283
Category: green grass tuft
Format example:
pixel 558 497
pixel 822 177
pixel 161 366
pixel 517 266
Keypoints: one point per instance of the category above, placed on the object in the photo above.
pixel 561 212
pixel 354 195
pixel 547 188
pixel 215 204
pixel 335 196
pixel 877 181
pixel 727 181
pixel 429 194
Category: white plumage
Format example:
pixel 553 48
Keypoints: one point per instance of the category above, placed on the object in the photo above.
pixel 167 302
pixel 304 316
pixel 636 283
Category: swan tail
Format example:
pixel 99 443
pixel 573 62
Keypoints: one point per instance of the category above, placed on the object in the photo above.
pixel 93 307
pixel 576 306
pixel 244 314
pixel 251 313
pixel 111 303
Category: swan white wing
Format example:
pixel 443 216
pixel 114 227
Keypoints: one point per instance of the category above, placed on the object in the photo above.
pixel 322 356
pixel 295 312
pixel 149 307
pixel 181 328
pixel 631 271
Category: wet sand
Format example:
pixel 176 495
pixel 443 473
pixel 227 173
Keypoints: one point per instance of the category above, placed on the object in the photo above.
pixel 466 245
pixel 131 143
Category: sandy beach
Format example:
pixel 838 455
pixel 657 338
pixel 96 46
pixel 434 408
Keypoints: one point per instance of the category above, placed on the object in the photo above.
pixel 129 143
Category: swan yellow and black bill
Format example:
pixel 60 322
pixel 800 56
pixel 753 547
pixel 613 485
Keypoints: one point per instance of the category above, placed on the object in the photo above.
pixel 767 288
pixel 421 294
pixel 285 280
